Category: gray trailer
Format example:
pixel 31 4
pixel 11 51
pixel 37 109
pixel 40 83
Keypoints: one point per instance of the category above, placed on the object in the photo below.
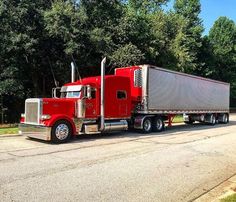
pixel 166 93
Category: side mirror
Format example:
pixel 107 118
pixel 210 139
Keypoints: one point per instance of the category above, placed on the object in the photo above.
pixel 55 92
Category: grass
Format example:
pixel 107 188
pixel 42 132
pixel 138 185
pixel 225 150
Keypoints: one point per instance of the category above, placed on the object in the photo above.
pixel 178 119
pixel 8 130
pixel 231 198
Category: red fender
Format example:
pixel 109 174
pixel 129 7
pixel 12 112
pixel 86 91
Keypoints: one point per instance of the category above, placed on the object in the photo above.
pixel 56 117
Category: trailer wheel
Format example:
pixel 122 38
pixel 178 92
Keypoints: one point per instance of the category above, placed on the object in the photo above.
pixel 225 118
pixel 158 124
pixel 61 132
pixel 213 119
pixel 147 125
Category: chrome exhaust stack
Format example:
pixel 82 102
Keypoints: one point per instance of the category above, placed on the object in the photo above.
pixel 72 72
pixel 111 125
pixel 102 108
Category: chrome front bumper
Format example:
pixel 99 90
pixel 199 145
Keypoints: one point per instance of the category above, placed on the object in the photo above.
pixel 35 131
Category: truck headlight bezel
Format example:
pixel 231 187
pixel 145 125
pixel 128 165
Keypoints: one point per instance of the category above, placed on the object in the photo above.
pixel 45 117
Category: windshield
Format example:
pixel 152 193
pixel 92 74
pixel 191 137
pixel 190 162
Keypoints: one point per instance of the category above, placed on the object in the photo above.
pixel 71 91
pixel 73 94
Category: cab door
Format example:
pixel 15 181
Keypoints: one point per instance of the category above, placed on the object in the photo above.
pixel 91 105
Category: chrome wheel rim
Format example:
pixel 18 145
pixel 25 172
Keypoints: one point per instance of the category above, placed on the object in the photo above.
pixel 62 131
pixel 147 125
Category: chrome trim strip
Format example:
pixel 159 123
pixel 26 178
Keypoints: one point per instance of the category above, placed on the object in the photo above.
pixel 145 71
pixel 180 112
pixel 71 88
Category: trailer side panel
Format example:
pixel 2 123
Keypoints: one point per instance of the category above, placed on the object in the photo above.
pixel 172 91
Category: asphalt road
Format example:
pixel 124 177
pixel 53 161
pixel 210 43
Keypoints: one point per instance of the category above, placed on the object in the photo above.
pixel 180 164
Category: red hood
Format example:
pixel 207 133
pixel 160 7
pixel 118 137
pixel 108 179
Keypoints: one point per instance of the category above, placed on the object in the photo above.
pixel 65 106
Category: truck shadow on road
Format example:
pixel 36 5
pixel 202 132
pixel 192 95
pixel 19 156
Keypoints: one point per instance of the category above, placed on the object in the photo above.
pixel 169 131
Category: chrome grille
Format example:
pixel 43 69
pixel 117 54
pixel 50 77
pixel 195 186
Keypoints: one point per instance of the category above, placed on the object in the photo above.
pixel 32 110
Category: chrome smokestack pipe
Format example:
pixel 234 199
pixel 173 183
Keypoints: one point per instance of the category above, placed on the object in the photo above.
pixel 102 104
pixel 72 72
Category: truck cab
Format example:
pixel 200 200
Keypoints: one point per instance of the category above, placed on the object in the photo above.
pixel 78 109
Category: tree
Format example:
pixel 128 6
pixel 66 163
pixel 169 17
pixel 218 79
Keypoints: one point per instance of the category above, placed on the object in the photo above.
pixel 222 39
pixel 163 31
pixel 126 55
pixel 188 41
pixel 22 39
pixel 146 6
pixel 66 21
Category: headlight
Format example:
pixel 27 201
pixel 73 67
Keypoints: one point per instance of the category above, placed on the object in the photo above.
pixel 45 117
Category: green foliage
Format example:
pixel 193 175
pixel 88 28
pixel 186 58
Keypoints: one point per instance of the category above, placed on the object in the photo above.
pixel 222 39
pixel 126 55
pixel 188 40
pixel 146 6
pixel 65 21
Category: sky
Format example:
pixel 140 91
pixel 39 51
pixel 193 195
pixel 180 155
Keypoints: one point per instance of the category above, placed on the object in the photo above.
pixel 213 9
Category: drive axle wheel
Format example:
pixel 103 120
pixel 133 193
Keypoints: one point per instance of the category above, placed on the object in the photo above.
pixel 158 124
pixel 147 125
pixel 61 132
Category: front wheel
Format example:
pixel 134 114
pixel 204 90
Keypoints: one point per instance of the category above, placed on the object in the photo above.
pixel 61 132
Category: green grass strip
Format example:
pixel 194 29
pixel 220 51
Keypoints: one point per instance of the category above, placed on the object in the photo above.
pixel 8 130
pixel 231 198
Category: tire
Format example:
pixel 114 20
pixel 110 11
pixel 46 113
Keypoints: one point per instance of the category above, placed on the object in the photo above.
pixel 147 125
pixel 61 132
pixel 213 120
pixel 158 124
pixel 226 119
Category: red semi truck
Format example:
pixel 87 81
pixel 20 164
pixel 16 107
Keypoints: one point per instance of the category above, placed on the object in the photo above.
pixel 140 97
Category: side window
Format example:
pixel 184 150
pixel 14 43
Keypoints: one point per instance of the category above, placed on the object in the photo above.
pixel 121 95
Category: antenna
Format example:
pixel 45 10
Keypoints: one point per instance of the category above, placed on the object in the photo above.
pixel 111 69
